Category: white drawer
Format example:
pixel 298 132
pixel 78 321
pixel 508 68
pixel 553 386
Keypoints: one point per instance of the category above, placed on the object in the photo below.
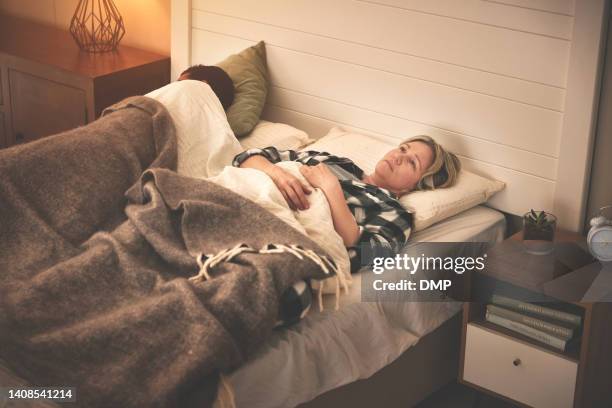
pixel 541 379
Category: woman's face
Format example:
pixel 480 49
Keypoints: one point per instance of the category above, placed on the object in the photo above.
pixel 401 168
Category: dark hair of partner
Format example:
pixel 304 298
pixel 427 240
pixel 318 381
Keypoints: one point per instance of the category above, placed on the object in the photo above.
pixel 217 79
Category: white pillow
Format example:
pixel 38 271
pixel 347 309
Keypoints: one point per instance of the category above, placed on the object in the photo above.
pixel 279 135
pixel 364 150
pixel 428 207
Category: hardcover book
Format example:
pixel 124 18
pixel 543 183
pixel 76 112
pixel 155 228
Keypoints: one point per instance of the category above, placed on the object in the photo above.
pixel 537 310
pixel 528 331
pixel 558 330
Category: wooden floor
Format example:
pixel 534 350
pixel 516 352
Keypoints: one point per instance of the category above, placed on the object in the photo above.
pixel 459 396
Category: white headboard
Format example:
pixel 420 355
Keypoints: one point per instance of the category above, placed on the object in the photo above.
pixel 509 85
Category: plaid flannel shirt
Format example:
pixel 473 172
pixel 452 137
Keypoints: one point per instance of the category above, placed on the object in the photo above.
pixel 384 225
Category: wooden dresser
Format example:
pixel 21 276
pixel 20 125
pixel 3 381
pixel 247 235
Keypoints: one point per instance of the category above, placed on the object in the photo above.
pixel 48 85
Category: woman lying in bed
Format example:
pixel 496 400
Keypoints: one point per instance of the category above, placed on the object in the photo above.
pixel 364 207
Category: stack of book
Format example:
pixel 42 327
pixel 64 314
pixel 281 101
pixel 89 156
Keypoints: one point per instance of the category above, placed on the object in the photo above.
pixel 550 326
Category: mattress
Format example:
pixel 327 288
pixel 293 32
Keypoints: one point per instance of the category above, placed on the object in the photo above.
pixel 331 348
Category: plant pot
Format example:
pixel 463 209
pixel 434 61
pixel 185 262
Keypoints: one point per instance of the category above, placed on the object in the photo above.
pixel 538 238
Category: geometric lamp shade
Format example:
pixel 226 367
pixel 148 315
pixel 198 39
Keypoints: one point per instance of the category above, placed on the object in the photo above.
pixel 97 25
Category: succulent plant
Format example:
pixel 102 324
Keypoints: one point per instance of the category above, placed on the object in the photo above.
pixel 539 220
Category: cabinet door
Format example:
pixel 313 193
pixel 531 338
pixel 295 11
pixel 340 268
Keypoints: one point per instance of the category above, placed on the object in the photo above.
pixel 41 107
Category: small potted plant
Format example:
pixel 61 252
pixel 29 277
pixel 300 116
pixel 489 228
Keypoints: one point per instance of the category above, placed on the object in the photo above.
pixel 539 231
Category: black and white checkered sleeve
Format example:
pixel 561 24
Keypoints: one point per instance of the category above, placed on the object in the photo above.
pixel 383 234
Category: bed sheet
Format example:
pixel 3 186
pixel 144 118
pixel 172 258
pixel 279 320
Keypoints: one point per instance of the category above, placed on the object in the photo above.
pixel 331 348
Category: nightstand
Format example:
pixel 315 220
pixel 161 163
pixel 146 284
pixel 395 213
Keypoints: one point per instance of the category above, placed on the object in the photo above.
pixel 524 371
pixel 48 85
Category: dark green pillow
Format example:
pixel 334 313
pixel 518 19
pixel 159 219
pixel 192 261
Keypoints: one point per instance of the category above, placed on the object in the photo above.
pixel 249 72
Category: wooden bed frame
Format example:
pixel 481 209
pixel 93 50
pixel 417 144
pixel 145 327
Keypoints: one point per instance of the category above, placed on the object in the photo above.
pixel 399 385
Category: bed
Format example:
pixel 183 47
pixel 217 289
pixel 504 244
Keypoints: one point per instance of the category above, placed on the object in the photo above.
pixel 501 83
pixel 333 348
pixel 496 82
pixel 321 356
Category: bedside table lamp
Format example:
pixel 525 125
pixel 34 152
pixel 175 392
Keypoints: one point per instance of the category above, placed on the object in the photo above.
pixel 97 26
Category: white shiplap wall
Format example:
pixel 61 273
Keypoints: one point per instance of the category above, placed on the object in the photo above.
pixel 486 78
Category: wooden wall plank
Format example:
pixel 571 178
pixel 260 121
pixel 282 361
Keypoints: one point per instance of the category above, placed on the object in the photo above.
pixel 478 115
pixel 564 7
pixel 497 120
pixel 492 13
pixel 452 75
pixel 513 53
pixel 398 129
pixel 523 191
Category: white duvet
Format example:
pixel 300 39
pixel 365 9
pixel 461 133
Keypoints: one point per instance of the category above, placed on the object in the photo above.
pixel 206 148
pixel 315 222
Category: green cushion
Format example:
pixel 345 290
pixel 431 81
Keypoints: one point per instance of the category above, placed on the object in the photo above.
pixel 249 73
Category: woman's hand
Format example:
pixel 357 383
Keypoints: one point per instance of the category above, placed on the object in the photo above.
pixel 290 187
pixel 320 176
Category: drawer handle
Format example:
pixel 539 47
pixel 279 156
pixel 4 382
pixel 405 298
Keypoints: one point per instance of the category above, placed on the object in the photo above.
pixel 517 362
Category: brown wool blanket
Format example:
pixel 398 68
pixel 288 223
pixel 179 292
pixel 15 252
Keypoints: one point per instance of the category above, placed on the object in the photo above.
pixel 95 261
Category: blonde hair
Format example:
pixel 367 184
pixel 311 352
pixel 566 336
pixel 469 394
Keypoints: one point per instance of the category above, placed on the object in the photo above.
pixel 444 169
